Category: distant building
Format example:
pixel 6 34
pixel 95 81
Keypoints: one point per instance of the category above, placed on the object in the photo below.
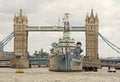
pixel 40 54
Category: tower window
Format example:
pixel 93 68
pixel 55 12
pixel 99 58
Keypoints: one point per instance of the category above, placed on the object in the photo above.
pixel 91 27
pixel 19 27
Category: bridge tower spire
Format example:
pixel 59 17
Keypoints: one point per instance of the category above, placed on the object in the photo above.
pixel 20 14
pixel 20 41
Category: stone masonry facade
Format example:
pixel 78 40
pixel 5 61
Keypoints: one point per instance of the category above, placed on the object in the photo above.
pixel 20 41
pixel 92 35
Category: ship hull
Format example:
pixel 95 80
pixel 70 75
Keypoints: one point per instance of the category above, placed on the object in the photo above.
pixel 64 63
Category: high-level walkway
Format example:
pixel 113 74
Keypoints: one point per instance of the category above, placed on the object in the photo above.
pixel 54 28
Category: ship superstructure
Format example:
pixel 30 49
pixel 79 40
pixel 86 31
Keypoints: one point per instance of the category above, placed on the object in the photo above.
pixel 66 43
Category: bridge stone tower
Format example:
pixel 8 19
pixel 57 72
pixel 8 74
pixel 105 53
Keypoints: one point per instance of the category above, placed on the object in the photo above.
pixel 20 59
pixel 92 24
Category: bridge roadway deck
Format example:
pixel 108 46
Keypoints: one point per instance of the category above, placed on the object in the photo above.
pixel 110 64
pixel 55 28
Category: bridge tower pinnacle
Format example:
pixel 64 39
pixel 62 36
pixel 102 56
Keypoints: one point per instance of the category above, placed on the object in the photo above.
pixel 20 41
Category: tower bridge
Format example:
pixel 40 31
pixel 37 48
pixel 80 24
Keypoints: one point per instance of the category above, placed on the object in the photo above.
pixel 21 29
pixel 20 34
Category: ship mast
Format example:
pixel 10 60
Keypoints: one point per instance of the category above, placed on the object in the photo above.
pixel 66 33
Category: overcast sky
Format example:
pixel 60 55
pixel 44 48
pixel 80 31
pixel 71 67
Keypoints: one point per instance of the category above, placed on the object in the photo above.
pixel 47 12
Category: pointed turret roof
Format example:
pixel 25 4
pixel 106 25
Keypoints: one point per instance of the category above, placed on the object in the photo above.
pixel 87 16
pixel 20 14
pixel 15 16
pixel 96 16
pixel 92 14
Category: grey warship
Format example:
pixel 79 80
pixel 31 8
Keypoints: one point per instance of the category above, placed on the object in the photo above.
pixel 66 55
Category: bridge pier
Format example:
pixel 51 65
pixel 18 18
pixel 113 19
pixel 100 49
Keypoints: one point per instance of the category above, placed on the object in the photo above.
pixel 19 63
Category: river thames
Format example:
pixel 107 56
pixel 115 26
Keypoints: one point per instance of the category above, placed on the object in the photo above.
pixel 44 75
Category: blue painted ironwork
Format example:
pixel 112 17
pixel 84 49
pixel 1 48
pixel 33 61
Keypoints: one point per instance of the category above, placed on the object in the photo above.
pixel 113 46
pixel 6 40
